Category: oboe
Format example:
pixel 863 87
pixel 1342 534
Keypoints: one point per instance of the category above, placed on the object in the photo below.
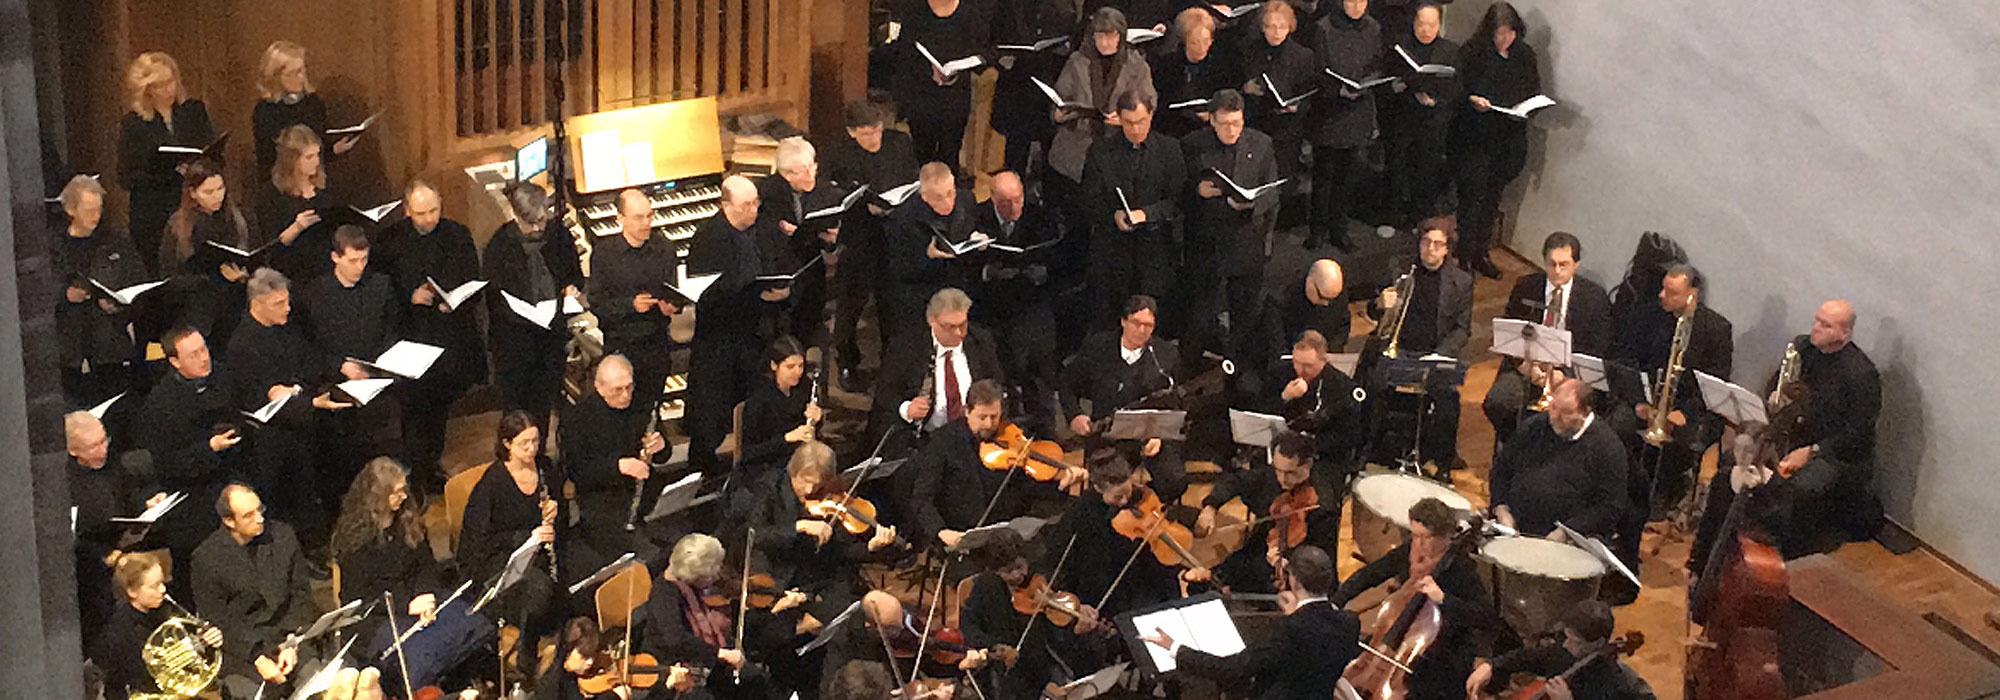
pixel 645 455
pixel 925 389
pixel 548 518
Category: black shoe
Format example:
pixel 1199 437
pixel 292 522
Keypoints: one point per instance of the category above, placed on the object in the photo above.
pixel 850 381
pixel 1485 268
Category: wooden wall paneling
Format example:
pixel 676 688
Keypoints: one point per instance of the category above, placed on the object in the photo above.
pixel 614 49
pixel 759 47
pixel 535 102
pixel 687 38
pixel 462 73
pixel 580 90
pixel 665 77
pixel 711 47
pixel 732 46
pixel 489 103
pixel 644 38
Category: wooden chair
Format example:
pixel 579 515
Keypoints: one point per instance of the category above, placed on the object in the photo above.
pixel 619 595
pixel 457 491
pixel 957 601
pixel 731 448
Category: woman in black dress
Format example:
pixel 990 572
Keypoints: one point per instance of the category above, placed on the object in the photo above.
pixel 531 259
pixel 1487 149
pixel 162 115
pixel 95 346
pixel 288 99
pixel 206 284
pixel 510 504
pixel 779 414
pixel 142 581
pixel 292 204
pixel 379 542
pixel 938 107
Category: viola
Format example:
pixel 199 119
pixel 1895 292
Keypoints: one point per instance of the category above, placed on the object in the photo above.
pixel 1144 520
pixel 638 671
pixel 945 646
pixel 854 514
pixel 1035 597
pixel 762 593
pixel 1041 460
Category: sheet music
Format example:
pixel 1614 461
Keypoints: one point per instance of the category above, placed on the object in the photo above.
pixel 125 296
pixel 269 410
pixel 1204 627
pixel 899 194
pixel 152 514
pixel 456 297
pixel 677 496
pixel 603 159
pixel 1526 107
pixel 365 390
pixel 99 410
pixel 541 314
pixel 408 359
pixel 1254 429
pixel 639 163
pixel 376 213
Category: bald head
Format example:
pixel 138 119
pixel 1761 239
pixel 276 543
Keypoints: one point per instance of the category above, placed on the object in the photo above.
pixel 1833 326
pixel 422 204
pixel 635 216
pixel 882 609
pixel 938 188
pixel 739 201
pixel 1009 198
pixel 1324 282
pixel 613 381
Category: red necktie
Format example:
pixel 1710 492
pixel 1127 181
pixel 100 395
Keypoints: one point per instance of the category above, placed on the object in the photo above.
pixel 954 407
pixel 1553 314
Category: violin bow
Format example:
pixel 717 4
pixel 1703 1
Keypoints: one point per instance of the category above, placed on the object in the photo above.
pixel 389 600
pixel 625 664
pixel 1143 542
pixel 742 598
pixel 1052 582
pixel 944 566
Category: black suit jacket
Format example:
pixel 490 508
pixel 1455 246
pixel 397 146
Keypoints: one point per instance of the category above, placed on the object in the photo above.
pixel 1302 661
pixel 949 487
pixel 256 593
pixel 1216 228
pixel 1000 298
pixel 910 358
pixel 1589 312
pixel 1454 309
pixel 1098 372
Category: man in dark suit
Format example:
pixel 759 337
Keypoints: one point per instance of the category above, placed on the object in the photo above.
pixel 1559 299
pixel 1229 238
pixel 725 325
pixel 916 262
pixel 951 490
pixel 178 425
pixel 1690 427
pixel 427 255
pixel 1013 296
pixel 786 199
pixel 1114 370
pixel 1316 398
pixel 1131 253
pixel 925 377
pixel 252 581
pixel 881 160
pixel 1304 659
pixel 1438 321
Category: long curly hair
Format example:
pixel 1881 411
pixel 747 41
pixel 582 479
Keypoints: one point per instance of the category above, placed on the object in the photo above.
pixel 365 517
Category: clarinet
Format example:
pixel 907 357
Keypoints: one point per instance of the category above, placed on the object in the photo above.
pixel 542 496
pixel 921 425
pixel 639 486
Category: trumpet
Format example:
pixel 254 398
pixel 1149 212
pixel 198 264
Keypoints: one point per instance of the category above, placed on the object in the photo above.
pixel 1391 329
pixel 1549 387
pixel 180 663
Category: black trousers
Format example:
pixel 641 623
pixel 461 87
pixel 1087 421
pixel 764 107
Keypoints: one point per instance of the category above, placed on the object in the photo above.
pixel 1824 501
pixel 1026 333
pixel 1124 263
pixel 717 376
pixel 855 274
pixel 530 377
pixel 937 128
pixel 1335 172
pixel 1482 175
pixel 1506 401
pixel 1418 176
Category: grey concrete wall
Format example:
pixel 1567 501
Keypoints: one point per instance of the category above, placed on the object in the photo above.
pixel 1802 151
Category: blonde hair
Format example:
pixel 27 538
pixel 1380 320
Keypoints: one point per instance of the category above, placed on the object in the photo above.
pixel 697 559
pixel 131 568
pixel 292 145
pixel 279 56
pixel 78 187
pixel 148 69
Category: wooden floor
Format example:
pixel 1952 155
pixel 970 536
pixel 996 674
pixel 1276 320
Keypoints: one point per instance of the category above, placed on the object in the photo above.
pixel 1919 581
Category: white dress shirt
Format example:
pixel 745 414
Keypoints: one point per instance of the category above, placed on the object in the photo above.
pixel 958 367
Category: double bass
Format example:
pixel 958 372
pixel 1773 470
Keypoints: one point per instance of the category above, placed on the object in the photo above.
pixel 1741 598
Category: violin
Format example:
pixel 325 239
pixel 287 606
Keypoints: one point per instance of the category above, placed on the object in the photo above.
pixel 638 671
pixel 1035 597
pixel 854 514
pixel 1144 520
pixel 945 646
pixel 1041 460
pixel 762 592
pixel 1288 531
pixel 1528 687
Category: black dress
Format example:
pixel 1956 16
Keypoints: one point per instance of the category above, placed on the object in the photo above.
pixel 152 181
pixel 1488 149
pixel 270 117
pixel 767 416
pixel 307 256
pixel 499 518
pixel 938 113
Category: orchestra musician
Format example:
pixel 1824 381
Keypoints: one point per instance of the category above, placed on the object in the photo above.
pixel 1557 298
pixel 880 159
pixel 426 255
pixel 1099 554
pixel 1452 582
pixel 1291 472
pixel 803 552
pixel 1114 370
pixel 1710 350
pixel 508 506
pixel 140 580
pixel 532 258
pixel 884 632
pixel 1439 321
pixel 779 414
pixel 925 376
pixel 607 440
pixel 1303 660
pixel 380 545
pixel 96 344
pixel 1145 173
pixel 161 114
pixel 1585 630
pixel 951 490
pixel 251 580
pixel 625 271
pixel 989 617
pixel 1821 489
pixel 1319 400
pixel 681 629
pixel 1563 466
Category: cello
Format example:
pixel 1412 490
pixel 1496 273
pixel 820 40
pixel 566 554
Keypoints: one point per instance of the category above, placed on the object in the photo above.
pixel 1405 626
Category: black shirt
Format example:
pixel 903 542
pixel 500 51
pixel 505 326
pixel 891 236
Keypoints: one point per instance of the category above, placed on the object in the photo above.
pixel 1352 48
pixel 256 593
pixel 349 322
pixel 1294 70
pixel 1403 107
pixel 1846 398
pixel 768 414
pixel 620 271
pixel 1469 618
pixel 1301 659
pixel 1150 173
pixel 1420 331
pixel 952 487
pixel 1178 79
pixel 445 254
pixel 270 117
pixel 1098 372
pixel 86 330
pixel 117 650
pixel 1603 679
pixel 498 518
pixel 1333 320
pixel 1503 81
pixel 1546 478
pixel 140 169
pixel 729 307
pixel 306 256
pixel 594 436
pixel 261 357
pixel 387 563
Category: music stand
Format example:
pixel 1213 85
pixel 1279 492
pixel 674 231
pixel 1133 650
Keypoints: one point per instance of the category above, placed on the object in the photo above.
pixel 1531 342
pixel 875 468
pixel 1734 403
pixel 1591 370
pixel 1601 552
pixel 333 621
pixel 516 568
pixel 1147 424
pixel 1096 684
pixel 1254 429
pixel 1199 622
pixel 323 679
pixel 1347 362
pixel 827 631
pixel 1025 526
pixel 677 496
pixel 605 573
